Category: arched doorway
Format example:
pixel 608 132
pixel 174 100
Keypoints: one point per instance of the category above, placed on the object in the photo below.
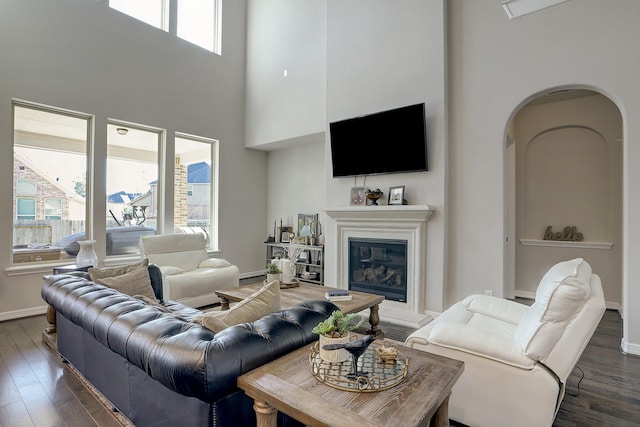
pixel 564 168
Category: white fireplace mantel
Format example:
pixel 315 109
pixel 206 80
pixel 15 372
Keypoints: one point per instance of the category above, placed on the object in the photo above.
pixel 380 213
pixel 402 222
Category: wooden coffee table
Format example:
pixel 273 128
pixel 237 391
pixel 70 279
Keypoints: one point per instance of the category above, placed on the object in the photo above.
pixel 287 385
pixel 306 292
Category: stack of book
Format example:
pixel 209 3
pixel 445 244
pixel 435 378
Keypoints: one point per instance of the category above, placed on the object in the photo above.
pixel 338 295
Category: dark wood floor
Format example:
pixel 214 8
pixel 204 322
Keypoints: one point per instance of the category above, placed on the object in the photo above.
pixel 37 390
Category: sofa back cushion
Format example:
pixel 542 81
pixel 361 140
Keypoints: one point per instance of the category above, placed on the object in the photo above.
pixel 185 251
pixel 133 283
pixel 101 273
pixel 561 294
pixel 260 303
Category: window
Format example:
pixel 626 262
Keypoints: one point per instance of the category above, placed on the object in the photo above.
pixel 52 208
pixel 50 166
pixel 25 208
pixel 197 21
pixel 152 12
pixel 194 185
pixel 132 185
pixel 52 189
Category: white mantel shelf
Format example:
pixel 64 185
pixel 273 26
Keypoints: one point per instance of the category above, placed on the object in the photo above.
pixel 376 213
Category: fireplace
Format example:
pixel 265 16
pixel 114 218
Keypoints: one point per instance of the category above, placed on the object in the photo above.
pixel 383 233
pixel 379 266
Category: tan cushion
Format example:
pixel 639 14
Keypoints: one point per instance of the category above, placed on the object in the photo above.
pixel 101 273
pixel 136 282
pixel 259 304
pixel 152 301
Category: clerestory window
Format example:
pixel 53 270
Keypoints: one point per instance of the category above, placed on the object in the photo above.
pixel 196 21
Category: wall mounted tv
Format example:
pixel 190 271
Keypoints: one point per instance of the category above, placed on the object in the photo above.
pixel 390 141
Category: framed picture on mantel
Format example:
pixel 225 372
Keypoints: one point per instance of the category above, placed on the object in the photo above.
pixel 358 196
pixel 396 195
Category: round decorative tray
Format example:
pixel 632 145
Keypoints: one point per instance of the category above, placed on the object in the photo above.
pixel 293 284
pixel 377 376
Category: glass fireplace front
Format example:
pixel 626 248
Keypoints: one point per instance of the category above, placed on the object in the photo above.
pixel 378 266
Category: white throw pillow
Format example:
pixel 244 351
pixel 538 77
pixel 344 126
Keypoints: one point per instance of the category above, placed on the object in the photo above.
pixel 561 294
pixel 259 304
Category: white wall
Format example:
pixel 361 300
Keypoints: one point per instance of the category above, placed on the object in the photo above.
pixel 83 56
pixel 497 65
pixel 382 55
pixel 285 36
pixel 296 184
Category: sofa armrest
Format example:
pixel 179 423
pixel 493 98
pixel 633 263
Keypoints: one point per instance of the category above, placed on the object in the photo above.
pixel 214 263
pixel 170 270
pixel 480 342
pixel 497 308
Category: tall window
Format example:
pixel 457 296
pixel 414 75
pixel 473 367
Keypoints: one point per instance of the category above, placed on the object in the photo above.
pixel 195 185
pixel 132 185
pixel 50 165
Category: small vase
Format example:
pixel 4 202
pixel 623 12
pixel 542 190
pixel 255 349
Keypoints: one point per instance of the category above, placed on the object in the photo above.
pixel 86 257
pixel 339 355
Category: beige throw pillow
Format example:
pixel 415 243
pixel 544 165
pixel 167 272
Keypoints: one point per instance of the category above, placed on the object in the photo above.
pixel 101 273
pixel 136 282
pixel 259 304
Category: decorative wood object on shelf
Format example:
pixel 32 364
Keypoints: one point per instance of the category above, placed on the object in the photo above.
pixel 568 234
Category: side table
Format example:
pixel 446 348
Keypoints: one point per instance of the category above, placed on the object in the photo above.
pixel 51 312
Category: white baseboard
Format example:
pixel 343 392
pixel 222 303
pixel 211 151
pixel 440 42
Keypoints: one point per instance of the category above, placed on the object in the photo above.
pixel 251 274
pixel 27 312
pixel 630 348
pixel 525 294
pixel 609 305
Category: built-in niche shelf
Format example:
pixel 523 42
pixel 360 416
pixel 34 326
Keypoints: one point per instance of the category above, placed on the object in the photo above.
pixel 566 244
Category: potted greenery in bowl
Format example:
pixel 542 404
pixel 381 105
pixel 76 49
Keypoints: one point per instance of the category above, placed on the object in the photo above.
pixel 273 272
pixel 335 330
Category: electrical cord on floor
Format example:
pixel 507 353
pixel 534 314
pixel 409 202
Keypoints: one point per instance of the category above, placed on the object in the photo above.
pixel 579 381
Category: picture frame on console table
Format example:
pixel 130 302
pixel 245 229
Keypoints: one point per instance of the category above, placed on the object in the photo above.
pixel 285 234
pixel 396 195
pixel 358 196
pixel 310 221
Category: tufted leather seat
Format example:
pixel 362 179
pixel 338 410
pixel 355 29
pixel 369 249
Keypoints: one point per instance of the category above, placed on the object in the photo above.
pixel 184 357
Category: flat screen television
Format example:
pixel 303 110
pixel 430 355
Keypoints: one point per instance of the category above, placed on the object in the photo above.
pixel 390 141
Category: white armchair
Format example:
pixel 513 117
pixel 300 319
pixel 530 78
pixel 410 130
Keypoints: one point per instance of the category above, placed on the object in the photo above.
pixel 517 357
pixel 188 274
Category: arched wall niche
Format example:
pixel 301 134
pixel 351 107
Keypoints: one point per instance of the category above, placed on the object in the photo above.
pixel 566 183
pixel 563 165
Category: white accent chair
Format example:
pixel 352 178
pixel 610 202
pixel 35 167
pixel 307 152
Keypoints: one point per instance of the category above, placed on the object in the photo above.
pixel 189 276
pixel 517 357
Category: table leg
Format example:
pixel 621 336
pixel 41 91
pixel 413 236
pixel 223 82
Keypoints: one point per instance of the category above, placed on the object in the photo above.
pixel 441 417
pixel 51 319
pixel 224 304
pixel 374 320
pixel 266 415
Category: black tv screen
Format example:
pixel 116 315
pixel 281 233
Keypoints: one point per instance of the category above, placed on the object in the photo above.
pixel 389 141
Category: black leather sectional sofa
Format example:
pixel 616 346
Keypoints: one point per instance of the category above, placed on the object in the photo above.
pixel 157 367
